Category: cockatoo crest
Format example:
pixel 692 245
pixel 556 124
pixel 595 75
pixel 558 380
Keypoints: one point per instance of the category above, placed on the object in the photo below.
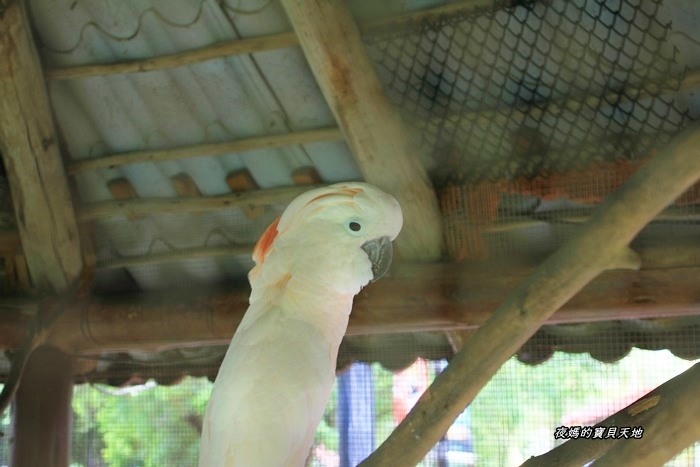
pixel 331 213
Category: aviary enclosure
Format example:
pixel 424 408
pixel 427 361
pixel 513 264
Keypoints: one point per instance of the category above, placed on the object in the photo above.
pixel 546 159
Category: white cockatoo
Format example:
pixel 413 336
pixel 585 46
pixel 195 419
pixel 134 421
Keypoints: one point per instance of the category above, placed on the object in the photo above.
pixel 277 376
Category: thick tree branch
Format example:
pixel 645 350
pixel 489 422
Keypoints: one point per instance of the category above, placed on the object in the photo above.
pixel 596 247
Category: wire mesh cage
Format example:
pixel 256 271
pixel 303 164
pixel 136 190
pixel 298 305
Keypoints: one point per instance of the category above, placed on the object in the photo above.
pixel 534 89
pixel 514 417
pixel 535 102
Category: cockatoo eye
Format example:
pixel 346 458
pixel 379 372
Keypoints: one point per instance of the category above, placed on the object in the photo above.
pixel 355 226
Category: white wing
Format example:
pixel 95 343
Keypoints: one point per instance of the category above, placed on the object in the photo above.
pixel 270 394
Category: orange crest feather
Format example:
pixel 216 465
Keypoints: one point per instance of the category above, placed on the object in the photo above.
pixel 262 248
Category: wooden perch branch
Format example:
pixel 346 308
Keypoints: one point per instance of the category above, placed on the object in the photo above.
pixel 144 206
pixel 669 415
pixel 29 146
pixel 212 149
pixel 382 148
pixel 593 250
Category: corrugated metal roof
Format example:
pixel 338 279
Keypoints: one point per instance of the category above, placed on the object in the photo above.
pixel 214 101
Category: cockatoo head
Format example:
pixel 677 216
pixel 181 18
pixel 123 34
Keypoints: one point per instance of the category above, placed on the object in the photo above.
pixel 339 235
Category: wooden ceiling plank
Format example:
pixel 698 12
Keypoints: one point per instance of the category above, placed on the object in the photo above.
pixel 383 149
pixel 29 146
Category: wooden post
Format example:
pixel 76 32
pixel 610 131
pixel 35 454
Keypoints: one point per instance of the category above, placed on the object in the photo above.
pixel 42 411
pixel 29 147
pixel 383 149
pixel 49 233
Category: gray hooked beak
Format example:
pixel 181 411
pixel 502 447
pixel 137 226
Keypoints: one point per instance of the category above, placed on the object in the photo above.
pixel 380 253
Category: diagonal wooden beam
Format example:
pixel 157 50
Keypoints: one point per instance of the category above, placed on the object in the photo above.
pixel 601 244
pixel 383 149
pixel 29 147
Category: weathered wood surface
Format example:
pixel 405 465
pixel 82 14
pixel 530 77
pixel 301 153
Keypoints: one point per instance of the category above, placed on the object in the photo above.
pixel 209 149
pixel 671 426
pixel 43 412
pixel 29 147
pixel 383 149
pixel 669 415
pixel 189 57
pixel 601 244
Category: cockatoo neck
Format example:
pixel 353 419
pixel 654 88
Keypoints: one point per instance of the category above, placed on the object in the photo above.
pixel 311 282
pixel 303 299
pixel 315 288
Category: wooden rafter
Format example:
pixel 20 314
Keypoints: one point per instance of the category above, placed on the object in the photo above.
pixel 383 149
pixel 29 146
pixel 190 57
pixel 209 149
pixel 415 298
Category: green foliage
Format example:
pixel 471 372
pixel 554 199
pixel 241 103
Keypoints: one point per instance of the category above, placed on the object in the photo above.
pixel 152 427
pixel 520 397
pixel 383 403
pixel 327 432
pixel 512 418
